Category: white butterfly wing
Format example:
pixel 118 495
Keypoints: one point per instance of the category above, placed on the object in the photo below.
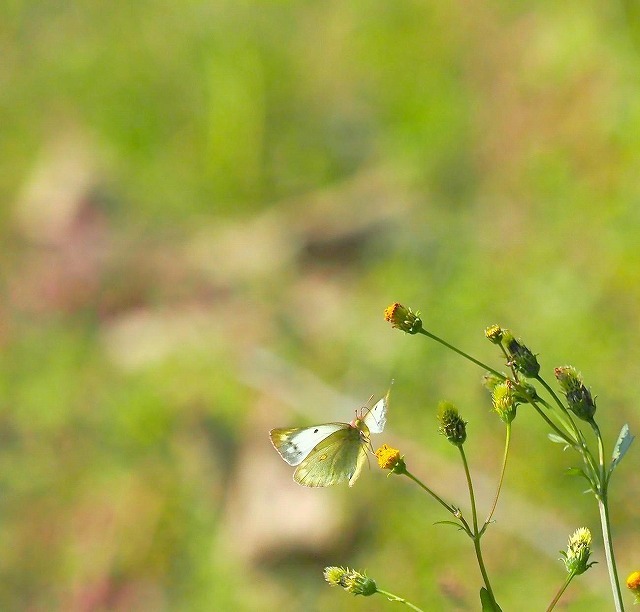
pixel 376 418
pixel 295 443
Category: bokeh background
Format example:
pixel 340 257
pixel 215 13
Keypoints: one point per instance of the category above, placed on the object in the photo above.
pixel 206 207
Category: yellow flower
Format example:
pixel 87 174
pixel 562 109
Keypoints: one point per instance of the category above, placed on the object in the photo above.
pixel 403 318
pixel 633 582
pixel 504 401
pixel 387 457
pixel 578 552
pixel 494 334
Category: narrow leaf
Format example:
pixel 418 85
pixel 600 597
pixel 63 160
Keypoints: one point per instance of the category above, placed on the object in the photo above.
pixel 454 523
pixel 622 446
pixel 488 605
pixel 574 471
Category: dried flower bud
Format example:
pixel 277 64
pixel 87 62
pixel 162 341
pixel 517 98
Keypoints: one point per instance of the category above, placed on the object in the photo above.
pixel 520 356
pixel 579 398
pixel 452 426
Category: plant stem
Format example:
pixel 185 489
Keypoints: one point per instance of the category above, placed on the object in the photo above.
pixel 603 507
pixel 476 534
pixel 565 415
pixel 462 353
pixel 393 597
pixel 569 423
pixel 435 496
pixel 563 588
pixel 504 467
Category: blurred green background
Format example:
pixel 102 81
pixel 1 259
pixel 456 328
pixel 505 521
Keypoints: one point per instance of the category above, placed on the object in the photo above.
pixel 206 206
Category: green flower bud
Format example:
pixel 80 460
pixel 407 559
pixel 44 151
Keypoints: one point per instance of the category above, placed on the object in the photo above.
pixel 504 401
pixel 493 333
pixel 350 580
pixel 520 356
pixel 579 398
pixel 452 426
pixel 576 559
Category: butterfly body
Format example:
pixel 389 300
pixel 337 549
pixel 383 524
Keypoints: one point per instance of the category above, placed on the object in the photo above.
pixel 329 453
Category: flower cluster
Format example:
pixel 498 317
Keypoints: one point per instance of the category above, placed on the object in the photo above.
pixel 350 580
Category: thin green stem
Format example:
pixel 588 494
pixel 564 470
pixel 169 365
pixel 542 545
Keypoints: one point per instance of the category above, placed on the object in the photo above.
pixel 502 471
pixel 565 415
pixel 580 444
pixel 562 589
pixel 462 353
pixel 552 425
pixel 392 597
pixel 603 507
pixel 476 534
pixel 452 509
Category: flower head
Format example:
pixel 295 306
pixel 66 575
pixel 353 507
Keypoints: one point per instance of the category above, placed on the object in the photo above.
pixel 520 356
pixel 452 426
pixel 390 459
pixel 576 559
pixel 579 398
pixel 350 580
pixel 633 584
pixel 504 401
pixel 494 334
pixel 403 318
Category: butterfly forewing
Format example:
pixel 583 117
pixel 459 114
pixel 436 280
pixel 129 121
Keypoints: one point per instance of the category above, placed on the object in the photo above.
pixel 295 443
pixel 376 418
pixel 335 459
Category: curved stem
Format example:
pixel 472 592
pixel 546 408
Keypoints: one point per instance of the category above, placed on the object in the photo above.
pixel 504 467
pixel 424 332
pixel 569 423
pixel 565 415
pixel 476 535
pixel 562 589
pixel 392 597
pixel 452 509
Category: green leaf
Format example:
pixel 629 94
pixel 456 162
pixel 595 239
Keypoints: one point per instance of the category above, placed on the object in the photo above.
pixel 574 471
pixel 458 525
pixel 488 605
pixel 622 446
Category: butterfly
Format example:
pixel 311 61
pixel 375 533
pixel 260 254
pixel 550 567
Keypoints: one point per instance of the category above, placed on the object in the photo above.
pixel 333 452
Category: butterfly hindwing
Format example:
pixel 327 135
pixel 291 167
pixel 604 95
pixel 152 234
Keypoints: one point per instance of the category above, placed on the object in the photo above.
pixel 295 443
pixel 335 459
